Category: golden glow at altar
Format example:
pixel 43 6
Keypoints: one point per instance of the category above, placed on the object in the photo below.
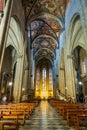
pixel 44 94
pixel 44 82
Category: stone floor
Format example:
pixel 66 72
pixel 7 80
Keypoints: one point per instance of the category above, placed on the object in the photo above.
pixel 45 118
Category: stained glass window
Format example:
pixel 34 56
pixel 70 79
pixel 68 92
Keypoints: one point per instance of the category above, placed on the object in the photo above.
pixel 44 79
pixel 37 79
pixel 50 79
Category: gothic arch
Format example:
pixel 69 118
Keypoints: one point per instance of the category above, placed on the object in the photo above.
pixel 62 74
pixel 48 15
pixel 46 36
pixel 15 39
pixel 75 34
pixel 7 71
pixel 15 36
pixel 75 42
pixel 40 58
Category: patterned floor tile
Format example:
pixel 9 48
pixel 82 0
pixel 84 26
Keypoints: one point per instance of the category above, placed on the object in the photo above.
pixel 45 118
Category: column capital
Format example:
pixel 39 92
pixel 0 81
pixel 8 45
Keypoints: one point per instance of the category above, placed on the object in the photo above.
pixel 19 56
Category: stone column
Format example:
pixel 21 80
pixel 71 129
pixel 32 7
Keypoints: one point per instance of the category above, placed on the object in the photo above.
pixel 40 80
pixel 29 63
pixel 47 79
pixel 54 78
pixel 25 84
pixel 70 77
pixel 83 15
pixel 31 69
pixel 25 79
pixel 18 80
pixel 4 26
pixel 61 70
pixel 33 74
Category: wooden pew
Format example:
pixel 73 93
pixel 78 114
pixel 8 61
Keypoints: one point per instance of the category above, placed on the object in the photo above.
pixel 62 108
pixel 81 121
pixel 56 102
pixel 73 113
pixel 9 125
pixel 16 115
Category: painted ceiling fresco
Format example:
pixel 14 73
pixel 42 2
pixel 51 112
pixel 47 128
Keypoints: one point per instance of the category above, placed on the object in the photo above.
pixel 40 27
pixel 45 22
pixel 55 7
pixel 45 43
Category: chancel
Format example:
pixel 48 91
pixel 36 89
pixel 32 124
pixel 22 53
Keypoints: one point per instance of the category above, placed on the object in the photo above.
pixel 43 64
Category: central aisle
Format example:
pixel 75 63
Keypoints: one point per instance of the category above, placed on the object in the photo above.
pixel 45 118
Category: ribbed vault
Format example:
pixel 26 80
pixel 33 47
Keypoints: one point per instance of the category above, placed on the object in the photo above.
pixel 44 21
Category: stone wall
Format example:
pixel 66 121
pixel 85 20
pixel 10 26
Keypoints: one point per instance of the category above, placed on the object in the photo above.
pixel 18 14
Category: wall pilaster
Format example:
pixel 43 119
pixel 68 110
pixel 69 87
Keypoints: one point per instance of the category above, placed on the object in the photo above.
pixel 4 26
pixel 18 80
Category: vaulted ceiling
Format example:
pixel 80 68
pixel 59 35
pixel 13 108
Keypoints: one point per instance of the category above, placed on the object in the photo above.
pixel 44 21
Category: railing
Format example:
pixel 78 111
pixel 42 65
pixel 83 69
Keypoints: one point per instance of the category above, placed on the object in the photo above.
pixel 64 95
